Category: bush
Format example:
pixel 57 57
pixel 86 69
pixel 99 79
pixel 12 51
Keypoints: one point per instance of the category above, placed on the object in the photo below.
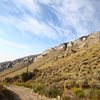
pixel 89 93
pixel 96 95
pixel 52 92
pixel 79 92
pixel 8 80
pixel 38 88
pixel 26 76
pixel 16 77
pixel 28 84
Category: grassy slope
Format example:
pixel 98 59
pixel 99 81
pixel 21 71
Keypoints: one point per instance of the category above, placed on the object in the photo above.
pixel 63 69
pixel 57 68
pixel 20 69
pixel 85 64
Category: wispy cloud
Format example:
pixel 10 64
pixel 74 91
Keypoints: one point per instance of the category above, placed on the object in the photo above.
pixel 51 18
pixel 10 43
pixel 28 12
pixel 76 14
pixel 30 26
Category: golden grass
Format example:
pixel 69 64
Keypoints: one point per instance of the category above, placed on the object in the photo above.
pixel 54 70
pixel 20 69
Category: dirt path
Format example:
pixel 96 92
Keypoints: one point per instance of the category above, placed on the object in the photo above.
pixel 22 93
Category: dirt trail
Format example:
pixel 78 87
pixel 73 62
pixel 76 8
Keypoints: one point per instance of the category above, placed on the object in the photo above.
pixel 22 93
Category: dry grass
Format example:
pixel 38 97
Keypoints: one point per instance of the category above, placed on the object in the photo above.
pixel 82 67
pixel 20 69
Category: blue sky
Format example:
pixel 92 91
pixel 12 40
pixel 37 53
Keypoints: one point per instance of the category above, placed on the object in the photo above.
pixel 31 26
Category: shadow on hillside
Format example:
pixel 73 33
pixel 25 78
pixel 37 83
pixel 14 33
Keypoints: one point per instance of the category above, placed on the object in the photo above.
pixel 9 95
pixel 15 96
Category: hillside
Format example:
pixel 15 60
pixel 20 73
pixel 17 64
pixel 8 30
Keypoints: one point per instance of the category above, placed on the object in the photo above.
pixel 74 64
pixel 52 53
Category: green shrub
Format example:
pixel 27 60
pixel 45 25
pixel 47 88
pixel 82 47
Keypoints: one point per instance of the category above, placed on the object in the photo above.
pixel 8 80
pixel 93 94
pixel 38 88
pixel 52 92
pixel 28 84
pixel 26 76
pixel 79 92
pixel 96 95
pixel 89 93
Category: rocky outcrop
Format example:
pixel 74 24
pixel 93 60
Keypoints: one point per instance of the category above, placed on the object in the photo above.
pixel 80 42
pixel 61 47
pixel 84 41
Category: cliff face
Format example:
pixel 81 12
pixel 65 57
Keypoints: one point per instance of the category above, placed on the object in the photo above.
pixel 69 47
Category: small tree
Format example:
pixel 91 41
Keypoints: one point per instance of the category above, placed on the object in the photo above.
pixel 26 76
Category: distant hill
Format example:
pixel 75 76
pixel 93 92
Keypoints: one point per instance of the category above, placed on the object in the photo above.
pixel 21 62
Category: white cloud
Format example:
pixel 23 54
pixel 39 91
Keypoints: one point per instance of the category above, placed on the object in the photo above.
pixel 32 25
pixel 77 14
pixel 9 43
pixel 71 13
pixel 30 5
pixel 28 22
